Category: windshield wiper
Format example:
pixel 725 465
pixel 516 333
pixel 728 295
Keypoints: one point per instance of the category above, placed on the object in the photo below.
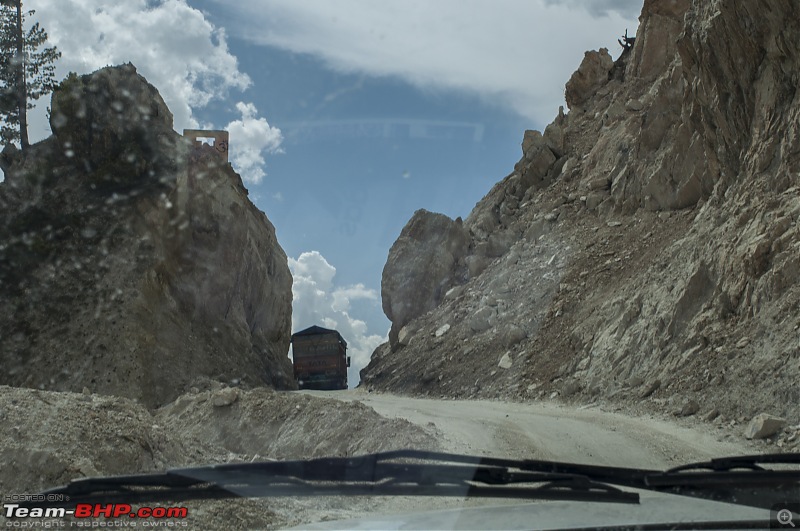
pixel 398 473
pixel 749 462
pixel 738 479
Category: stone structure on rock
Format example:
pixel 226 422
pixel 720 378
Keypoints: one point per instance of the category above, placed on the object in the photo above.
pixel 219 144
pixel 645 246
pixel 125 268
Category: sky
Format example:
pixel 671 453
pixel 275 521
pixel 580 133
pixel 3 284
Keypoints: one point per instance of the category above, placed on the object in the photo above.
pixel 346 116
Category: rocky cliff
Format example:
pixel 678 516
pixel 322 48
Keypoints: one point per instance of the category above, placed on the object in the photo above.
pixel 646 246
pixel 133 263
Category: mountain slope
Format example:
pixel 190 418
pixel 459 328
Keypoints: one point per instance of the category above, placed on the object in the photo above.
pixel 646 246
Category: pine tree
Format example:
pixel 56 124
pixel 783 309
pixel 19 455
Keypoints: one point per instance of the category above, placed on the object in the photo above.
pixel 26 71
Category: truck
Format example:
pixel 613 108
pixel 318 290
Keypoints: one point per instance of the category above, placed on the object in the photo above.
pixel 320 359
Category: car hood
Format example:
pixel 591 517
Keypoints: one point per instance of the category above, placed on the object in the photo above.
pixel 653 508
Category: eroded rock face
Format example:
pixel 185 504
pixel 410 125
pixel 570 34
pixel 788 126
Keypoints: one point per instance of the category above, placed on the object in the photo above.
pixel 538 159
pixel 423 263
pixel 132 264
pixel 660 24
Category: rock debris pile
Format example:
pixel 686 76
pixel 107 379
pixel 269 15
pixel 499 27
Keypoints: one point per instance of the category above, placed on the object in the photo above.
pixel 77 435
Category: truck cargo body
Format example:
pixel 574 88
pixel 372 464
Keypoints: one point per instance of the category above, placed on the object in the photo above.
pixel 320 359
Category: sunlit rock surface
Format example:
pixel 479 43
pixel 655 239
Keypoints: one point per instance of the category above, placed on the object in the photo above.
pixel 132 263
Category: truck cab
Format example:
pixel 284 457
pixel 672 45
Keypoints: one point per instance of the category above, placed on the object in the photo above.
pixel 320 359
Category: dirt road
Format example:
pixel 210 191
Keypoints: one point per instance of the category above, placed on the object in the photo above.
pixel 550 431
pixel 538 430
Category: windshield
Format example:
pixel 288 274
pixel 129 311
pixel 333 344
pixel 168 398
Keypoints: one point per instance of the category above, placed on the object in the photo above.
pixel 269 230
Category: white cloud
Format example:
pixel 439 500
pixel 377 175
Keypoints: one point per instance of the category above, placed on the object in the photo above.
pixel 250 137
pixel 174 47
pixel 318 301
pixel 517 53
pixel 626 8
pixel 343 296
pixel 312 268
pixel 171 44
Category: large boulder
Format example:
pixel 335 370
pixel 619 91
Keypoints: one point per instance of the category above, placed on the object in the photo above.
pixel 126 268
pixel 764 425
pixel 423 263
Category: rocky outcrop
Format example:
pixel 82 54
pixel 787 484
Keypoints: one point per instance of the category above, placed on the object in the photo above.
pixel 422 265
pixel 133 264
pixel 107 115
pixel 646 245
pixel 590 76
